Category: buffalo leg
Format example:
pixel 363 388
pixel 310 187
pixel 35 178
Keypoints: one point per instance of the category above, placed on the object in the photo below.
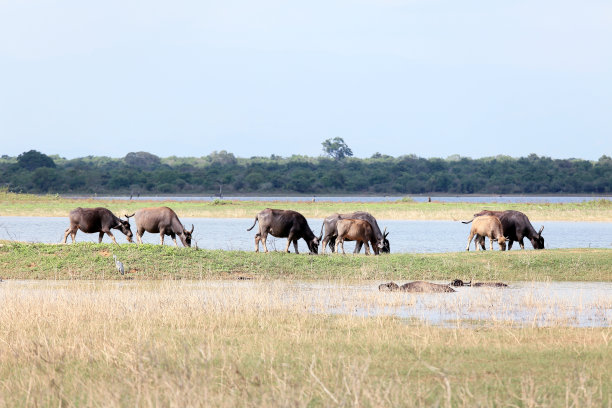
pixel 68 231
pixel 174 239
pixel 295 245
pixel 481 242
pixel 264 238
pixel 139 236
pixel 521 243
pixel 332 244
pixel 491 241
pixel 289 239
pixel 323 245
pixel 110 234
pixel 358 245
pixel 257 239
pixel 100 236
pixel 340 244
pixel 470 241
pixel 510 242
pixel 161 238
pixel 367 247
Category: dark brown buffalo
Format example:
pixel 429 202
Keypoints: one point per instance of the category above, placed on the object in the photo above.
pixel 162 220
pixel 101 220
pixel 516 227
pixel 284 224
pixel 356 230
pixel 331 231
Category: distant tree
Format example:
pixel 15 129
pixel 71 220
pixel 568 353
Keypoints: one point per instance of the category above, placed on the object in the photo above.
pixel 33 160
pixel 222 157
pixel 337 148
pixel 142 160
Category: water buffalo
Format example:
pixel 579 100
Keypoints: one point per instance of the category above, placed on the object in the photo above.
pixel 284 224
pixel 459 282
pixel 101 220
pixel 357 230
pixel 162 220
pixel 415 287
pixel 516 227
pixel 331 231
pixel 487 226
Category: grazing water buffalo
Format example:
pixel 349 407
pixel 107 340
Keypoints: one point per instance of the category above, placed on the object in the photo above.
pixel 101 220
pixel 284 224
pixel 162 220
pixel 331 231
pixel 357 230
pixel 516 226
pixel 487 226
pixel 415 287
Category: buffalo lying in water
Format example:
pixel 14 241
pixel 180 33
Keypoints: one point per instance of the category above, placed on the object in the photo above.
pixel 415 287
pixel 459 282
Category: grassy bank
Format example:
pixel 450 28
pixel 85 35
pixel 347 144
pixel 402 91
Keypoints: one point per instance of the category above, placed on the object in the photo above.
pixel 94 261
pixel 100 344
pixel 12 204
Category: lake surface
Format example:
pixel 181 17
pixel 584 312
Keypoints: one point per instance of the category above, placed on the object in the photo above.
pixel 366 199
pixel 521 304
pixel 404 236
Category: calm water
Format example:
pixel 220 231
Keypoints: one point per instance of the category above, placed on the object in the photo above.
pixel 523 304
pixel 369 199
pixel 404 236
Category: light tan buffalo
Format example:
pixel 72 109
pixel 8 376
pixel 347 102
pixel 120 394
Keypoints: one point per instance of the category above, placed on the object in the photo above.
pixel 487 226
pixel 162 220
pixel 351 229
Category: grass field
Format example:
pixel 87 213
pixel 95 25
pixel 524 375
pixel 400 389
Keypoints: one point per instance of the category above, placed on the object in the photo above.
pixel 94 261
pixel 77 333
pixel 165 344
pixel 12 204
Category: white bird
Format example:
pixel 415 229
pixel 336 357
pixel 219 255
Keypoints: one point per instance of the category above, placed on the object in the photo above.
pixel 119 265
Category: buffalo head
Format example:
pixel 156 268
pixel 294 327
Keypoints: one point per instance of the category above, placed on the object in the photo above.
pixel 187 236
pixel 313 245
pixel 538 241
pixel 124 226
pixel 386 247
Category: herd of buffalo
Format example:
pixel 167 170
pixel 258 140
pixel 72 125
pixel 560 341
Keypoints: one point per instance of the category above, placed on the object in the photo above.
pixel 501 226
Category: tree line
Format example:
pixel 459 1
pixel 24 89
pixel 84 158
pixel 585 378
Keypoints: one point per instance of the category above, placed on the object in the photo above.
pixel 146 174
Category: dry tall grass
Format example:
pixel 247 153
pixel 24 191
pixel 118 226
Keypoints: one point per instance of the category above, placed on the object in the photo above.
pixel 175 344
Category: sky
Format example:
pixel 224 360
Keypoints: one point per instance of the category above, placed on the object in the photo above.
pixel 432 78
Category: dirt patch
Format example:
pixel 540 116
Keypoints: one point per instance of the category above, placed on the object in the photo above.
pixel 104 253
pixel 32 265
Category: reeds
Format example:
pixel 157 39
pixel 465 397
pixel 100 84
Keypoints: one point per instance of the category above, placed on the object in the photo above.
pixel 278 343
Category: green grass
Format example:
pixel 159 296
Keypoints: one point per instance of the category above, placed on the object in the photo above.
pixel 12 204
pixel 94 261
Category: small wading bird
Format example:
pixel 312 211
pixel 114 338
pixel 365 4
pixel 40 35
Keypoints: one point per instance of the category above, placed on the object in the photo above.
pixel 119 265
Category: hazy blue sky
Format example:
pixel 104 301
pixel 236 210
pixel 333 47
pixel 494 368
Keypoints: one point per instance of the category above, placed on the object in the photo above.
pixel 425 77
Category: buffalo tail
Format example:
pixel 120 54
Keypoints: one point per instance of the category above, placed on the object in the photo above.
pixel 252 226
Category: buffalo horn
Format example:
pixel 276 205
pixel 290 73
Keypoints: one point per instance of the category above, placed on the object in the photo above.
pixel 128 216
pixel 540 231
pixel 191 229
pixel 385 233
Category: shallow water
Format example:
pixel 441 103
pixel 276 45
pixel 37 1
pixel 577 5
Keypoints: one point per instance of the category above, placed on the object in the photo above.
pixel 521 304
pixel 404 236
